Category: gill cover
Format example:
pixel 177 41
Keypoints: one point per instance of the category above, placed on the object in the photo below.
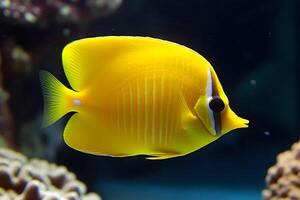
pixel 213 109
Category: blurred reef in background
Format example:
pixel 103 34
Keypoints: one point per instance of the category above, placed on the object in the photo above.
pixel 32 36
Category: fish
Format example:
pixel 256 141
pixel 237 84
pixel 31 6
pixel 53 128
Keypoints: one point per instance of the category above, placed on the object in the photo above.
pixel 134 95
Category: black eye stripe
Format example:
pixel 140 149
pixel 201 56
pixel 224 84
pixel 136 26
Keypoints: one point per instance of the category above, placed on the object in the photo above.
pixel 216 104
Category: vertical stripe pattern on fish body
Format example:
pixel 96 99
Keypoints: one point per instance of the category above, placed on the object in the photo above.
pixel 148 121
pixel 136 96
pixel 150 103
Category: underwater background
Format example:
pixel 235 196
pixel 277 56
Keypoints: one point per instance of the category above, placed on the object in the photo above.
pixel 252 45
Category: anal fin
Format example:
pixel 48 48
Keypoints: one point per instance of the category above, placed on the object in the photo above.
pixel 162 157
pixel 164 154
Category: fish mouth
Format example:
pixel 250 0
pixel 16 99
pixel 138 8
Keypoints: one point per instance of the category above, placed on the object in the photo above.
pixel 231 121
pixel 244 123
pixel 218 129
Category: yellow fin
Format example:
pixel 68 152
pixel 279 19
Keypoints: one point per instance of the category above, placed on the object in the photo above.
pixel 84 58
pixel 88 132
pixel 78 134
pixel 187 116
pixel 163 156
pixel 55 101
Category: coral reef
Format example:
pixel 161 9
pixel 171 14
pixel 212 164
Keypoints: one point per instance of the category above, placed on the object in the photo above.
pixel 283 179
pixel 36 179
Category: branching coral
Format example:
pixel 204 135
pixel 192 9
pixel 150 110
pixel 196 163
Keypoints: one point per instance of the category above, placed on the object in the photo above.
pixel 37 179
pixel 283 179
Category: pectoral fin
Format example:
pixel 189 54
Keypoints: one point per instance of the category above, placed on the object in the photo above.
pixel 187 117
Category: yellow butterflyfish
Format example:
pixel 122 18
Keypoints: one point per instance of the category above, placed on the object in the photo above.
pixel 137 96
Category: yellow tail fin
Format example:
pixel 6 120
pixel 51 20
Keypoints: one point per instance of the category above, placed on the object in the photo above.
pixel 56 101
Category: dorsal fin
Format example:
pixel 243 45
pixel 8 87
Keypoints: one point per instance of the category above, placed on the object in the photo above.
pixel 85 58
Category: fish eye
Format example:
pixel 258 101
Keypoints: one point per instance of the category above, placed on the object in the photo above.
pixel 216 104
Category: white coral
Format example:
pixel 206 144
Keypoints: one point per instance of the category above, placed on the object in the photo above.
pixel 35 179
